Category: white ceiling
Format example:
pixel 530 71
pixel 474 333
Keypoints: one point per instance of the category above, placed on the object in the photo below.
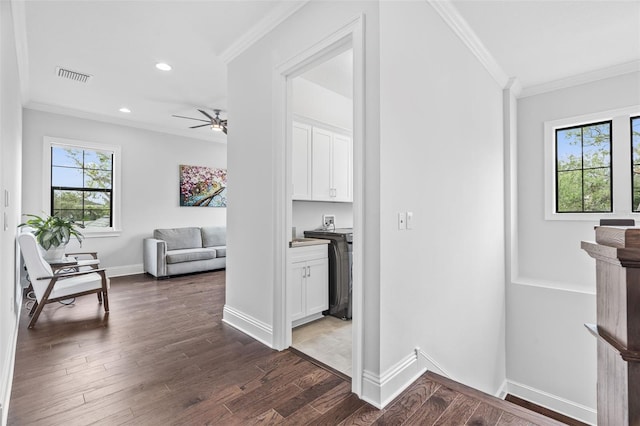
pixel 542 41
pixel 119 42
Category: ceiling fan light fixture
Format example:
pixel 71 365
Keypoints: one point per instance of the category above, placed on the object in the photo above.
pixel 162 66
pixel 125 110
pixel 217 127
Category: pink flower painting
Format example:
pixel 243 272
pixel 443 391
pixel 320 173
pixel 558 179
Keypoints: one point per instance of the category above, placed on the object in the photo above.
pixel 203 186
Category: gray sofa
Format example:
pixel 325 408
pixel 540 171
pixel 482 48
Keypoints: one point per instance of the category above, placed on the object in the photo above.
pixel 177 251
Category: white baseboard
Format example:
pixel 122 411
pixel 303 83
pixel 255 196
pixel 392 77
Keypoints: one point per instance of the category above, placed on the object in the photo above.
pixel 379 390
pixel 427 363
pixel 120 271
pixel 560 405
pixel 257 329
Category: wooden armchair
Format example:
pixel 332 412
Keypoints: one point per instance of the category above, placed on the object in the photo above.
pixel 50 286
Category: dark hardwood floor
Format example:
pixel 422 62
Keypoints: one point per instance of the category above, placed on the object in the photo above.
pixel 163 357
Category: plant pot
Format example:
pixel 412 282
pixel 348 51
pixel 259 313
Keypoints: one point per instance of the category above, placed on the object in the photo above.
pixel 54 253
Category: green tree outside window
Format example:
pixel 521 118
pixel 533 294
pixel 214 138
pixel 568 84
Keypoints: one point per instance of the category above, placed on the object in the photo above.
pixel 583 169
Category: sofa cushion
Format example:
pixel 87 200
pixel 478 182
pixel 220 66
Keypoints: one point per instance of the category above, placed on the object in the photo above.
pixel 214 236
pixel 189 255
pixel 179 238
pixel 221 251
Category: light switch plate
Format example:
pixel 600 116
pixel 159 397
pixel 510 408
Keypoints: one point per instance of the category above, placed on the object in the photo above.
pixel 402 221
pixel 409 220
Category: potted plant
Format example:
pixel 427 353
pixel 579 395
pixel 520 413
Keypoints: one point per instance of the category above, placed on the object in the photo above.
pixel 53 233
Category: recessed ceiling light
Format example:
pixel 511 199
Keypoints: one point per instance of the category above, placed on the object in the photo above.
pixel 125 109
pixel 163 67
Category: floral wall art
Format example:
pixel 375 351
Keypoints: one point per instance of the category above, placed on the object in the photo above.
pixel 203 186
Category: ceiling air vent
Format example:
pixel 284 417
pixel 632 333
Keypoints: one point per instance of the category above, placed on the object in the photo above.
pixel 73 75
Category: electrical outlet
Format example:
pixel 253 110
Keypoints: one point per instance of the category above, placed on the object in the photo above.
pixel 328 220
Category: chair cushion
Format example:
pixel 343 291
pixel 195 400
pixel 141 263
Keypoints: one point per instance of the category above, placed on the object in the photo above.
pixel 67 286
pixel 189 255
pixel 179 238
pixel 214 236
pixel 221 251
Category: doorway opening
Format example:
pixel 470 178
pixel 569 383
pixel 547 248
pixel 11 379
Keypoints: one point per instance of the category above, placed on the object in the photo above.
pixel 306 109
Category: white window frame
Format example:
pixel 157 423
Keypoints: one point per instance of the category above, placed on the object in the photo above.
pixel 88 232
pixel 620 164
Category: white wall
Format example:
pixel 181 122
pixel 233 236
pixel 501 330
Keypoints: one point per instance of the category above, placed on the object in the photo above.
pixel 150 180
pixel 251 219
pixel 549 349
pixel 308 215
pixel 442 283
pixel 10 180
pixel 319 103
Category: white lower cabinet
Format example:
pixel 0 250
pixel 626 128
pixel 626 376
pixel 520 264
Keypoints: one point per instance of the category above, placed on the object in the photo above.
pixel 310 285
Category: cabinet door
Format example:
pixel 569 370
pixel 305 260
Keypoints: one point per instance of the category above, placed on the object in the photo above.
pixel 342 169
pixel 321 165
pixel 298 294
pixel 301 162
pixel 317 297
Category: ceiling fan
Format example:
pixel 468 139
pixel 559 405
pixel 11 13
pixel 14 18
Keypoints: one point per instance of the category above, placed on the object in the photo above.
pixel 216 122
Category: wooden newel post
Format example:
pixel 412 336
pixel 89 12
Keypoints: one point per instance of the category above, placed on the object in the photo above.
pixel 617 254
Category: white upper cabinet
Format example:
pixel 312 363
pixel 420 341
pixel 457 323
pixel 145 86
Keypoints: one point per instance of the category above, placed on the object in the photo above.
pixel 301 152
pixel 331 175
pixel 342 168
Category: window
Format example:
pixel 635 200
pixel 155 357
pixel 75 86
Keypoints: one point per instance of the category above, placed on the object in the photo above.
pixel 583 168
pixel 592 166
pixel 83 183
pixel 635 162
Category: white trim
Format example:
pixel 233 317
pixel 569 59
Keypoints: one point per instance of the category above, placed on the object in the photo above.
pixel 575 80
pixel 381 390
pixel 553 285
pixel 305 320
pixel 217 137
pixel 461 28
pixel 250 326
pixel 116 183
pixel 124 270
pixel 426 362
pixel 351 34
pixel 261 29
pixel 503 390
pixel 317 123
pixel 553 402
pixel 621 161
pixel 22 51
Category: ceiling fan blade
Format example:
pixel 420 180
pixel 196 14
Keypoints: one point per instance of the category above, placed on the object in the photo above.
pixel 200 125
pixel 190 118
pixel 224 129
pixel 205 113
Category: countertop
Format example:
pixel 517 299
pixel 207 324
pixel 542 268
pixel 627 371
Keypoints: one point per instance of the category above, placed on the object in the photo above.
pixel 302 242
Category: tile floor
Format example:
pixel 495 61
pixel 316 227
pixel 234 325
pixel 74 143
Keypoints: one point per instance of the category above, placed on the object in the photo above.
pixel 328 340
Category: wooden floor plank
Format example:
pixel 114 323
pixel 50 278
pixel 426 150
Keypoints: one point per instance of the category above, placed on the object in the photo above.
pixel 163 356
pixel 433 407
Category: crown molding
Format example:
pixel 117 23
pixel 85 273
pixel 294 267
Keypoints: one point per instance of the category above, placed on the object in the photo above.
pixel 261 29
pixel 56 109
pixel 18 15
pixel 575 80
pixel 461 28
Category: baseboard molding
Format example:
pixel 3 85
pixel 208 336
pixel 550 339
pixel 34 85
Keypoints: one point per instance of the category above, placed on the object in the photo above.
pixel 560 405
pixel 7 373
pixel 121 271
pixel 427 363
pixel 257 329
pixel 380 390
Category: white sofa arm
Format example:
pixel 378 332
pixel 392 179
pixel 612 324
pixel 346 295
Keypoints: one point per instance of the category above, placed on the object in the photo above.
pixel 154 257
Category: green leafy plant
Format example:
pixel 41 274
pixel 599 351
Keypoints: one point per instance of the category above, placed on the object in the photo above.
pixel 53 231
